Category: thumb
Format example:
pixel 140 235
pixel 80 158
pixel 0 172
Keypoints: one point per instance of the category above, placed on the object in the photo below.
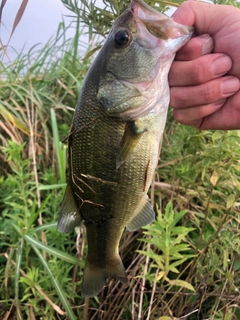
pixel 205 17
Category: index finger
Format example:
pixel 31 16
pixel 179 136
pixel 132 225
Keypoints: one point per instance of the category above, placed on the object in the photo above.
pixel 195 48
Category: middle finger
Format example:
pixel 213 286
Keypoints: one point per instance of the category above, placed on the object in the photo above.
pixel 200 70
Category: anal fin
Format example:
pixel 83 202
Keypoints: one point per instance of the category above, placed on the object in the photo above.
pixel 144 217
pixel 69 216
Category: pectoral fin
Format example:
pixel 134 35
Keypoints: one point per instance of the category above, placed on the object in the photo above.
pixel 144 217
pixel 131 137
pixel 69 217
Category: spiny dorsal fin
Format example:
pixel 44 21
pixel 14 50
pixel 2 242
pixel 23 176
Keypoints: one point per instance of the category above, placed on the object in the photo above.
pixel 130 138
pixel 144 217
pixel 69 216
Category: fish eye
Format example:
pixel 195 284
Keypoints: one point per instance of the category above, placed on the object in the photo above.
pixel 122 37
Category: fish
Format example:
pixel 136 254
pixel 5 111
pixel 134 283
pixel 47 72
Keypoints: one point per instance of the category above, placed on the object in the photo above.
pixel 115 137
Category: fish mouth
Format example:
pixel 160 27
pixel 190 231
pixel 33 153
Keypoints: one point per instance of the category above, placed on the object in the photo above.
pixel 158 24
pixel 141 8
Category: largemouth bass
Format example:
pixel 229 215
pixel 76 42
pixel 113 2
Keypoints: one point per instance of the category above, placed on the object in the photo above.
pixel 114 141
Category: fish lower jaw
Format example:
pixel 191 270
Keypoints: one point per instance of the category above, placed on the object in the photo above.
pixel 150 109
pixel 153 101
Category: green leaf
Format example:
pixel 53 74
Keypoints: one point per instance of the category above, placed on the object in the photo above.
pixel 161 274
pixel 214 178
pixel 169 211
pixel 181 230
pixel 217 135
pixel 178 216
pixel 181 283
pixel 230 201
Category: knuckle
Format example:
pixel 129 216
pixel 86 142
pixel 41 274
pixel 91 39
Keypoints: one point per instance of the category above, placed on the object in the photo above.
pixel 201 112
pixel 179 116
pixel 198 72
pixel 178 97
pixel 173 98
pixel 209 92
pixel 198 124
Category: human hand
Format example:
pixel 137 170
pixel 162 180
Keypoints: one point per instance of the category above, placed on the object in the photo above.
pixel 205 76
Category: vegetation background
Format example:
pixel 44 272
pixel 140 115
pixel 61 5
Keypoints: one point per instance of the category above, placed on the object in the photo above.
pixel 185 266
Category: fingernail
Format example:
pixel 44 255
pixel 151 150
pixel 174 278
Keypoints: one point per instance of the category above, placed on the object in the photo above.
pixel 207 43
pixel 221 65
pixel 230 85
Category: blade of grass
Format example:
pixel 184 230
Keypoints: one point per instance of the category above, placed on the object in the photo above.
pixel 1 9
pixel 7 267
pixel 60 149
pixel 46 226
pixel 56 285
pixel 17 273
pixel 55 252
pixel 52 186
pixel 14 120
pixel 18 17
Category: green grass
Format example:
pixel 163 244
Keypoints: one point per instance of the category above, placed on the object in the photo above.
pixel 186 265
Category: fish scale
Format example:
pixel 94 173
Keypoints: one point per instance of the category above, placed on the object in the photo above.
pixel 114 141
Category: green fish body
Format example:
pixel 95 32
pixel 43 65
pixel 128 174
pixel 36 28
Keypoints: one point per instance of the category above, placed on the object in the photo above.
pixel 114 141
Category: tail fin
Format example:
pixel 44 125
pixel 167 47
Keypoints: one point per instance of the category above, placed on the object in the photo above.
pixel 95 277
